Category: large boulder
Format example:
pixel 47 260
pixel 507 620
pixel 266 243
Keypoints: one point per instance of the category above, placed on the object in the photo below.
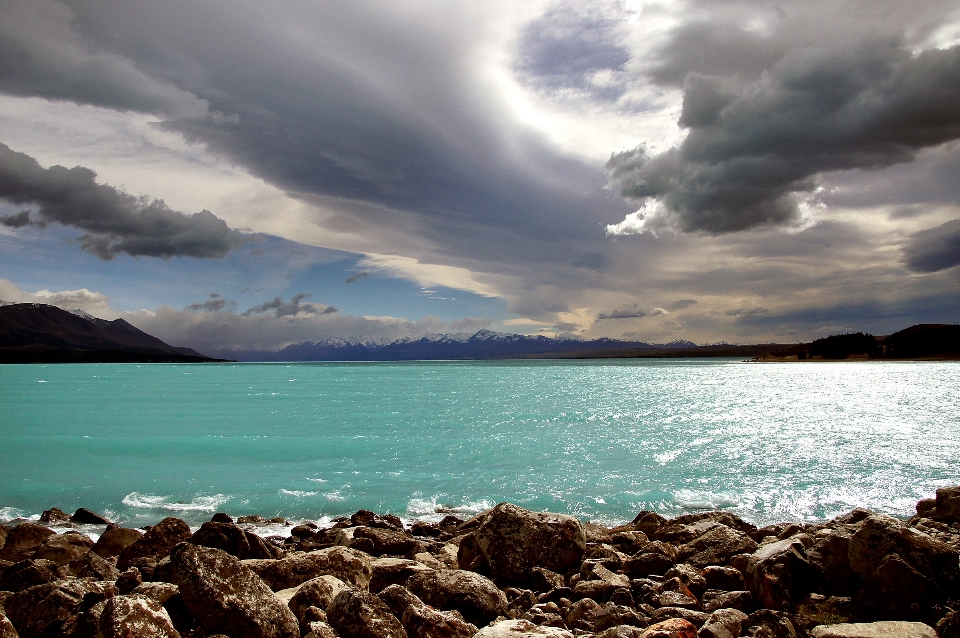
pixel 896 591
pixel 723 623
pixel 114 540
pixel 28 573
pixel 349 565
pixel 7 629
pixel 778 573
pixel 830 559
pixel 388 541
pixel 394 571
pixel 882 629
pixel 234 540
pixel 716 546
pixel 473 595
pixel 398 598
pixel 521 629
pixel 318 592
pixel 137 616
pixel 83 516
pixel 43 609
pixel 672 628
pixel 158 542
pixel 423 622
pixel 90 565
pixel 948 504
pixel 225 596
pixel 514 540
pixel 359 614
pixel 23 540
pixel 64 548
pixel 879 536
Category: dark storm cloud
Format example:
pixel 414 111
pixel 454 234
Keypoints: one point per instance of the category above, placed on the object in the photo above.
pixel 934 249
pixel 215 303
pixel 753 146
pixel 356 277
pixel 282 308
pixel 114 221
pixel 680 304
pixel 630 312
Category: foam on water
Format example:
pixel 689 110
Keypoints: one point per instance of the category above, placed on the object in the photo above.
pixel 597 439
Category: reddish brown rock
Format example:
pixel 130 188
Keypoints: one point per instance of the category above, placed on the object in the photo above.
pixel 114 540
pixel 234 540
pixel 716 546
pixel 673 628
pixel 158 542
pixel 46 608
pixel 136 616
pixel 398 598
pixel 224 595
pixel 54 515
pixel 388 541
pixel 90 565
pixel 514 541
pixel 349 565
pixel 6 628
pixel 360 614
pixel 64 548
pixel 423 622
pixel 879 536
pixel 23 540
pixel 393 571
pixel 28 573
pixel 948 504
pixel 778 573
pixel 473 595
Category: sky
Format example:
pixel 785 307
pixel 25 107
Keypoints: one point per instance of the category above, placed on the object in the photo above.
pixel 244 175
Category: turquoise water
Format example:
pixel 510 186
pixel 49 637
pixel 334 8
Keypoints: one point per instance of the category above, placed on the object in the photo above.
pixel 598 439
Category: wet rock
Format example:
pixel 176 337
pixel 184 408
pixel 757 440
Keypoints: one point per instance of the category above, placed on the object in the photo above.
pixel 393 571
pixel 521 629
pixel 514 540
pixel 716 546
pixel 234 540
pixel 23 540
pixel 92 566
pixel 896 591
pixel 388 541
pixel 880 536
pixel 83 516
pixel 723 623
pixel 672 628
pixel 725 578
pixel 54 515
pixel 948 504
pixel 136 616
pixel 714 599
pixel 114 540
pixel 64 548
pixel 882 629
pixel 224 595
pixel 473 595
pixel 158 542
pixel 45 608
pixel 28 573
pixel 349 565
pixel 648 522
pixel 317 592
pixel 778 573
pixel 423 622
pixel 360 614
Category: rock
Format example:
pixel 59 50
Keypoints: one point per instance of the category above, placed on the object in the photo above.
pixel 714 599
pixel 320 629
pixel 580 614
pixel 388 541
pixel 648 522
pixel 775 624
pixel 778 573
pixel 234 540
pixel 90 565
pixel 880 536
pixel 136 616
pixel 160 592
pixel 54 515
pixel 949 625
pixel 716 546
pixel 129 580
pixel 725 578
pixel 595 589
pixel 393 571
pixel 514 541
pixel 882 629
pixel 158 542
pixel 6 628
pixel 349 565
pixel 621 631
pixel 521 629
pixel 678 599
pixel 723 623
pixel 168 595
pixel 317 592
pixel 398 598
pixel 224 595
pixel 423 622
pixel 948 504
pixel 221 517
pixel 23 540
pixel 473 595
pixel 543 580
pixel 28 573
pixel 830 559
pixel 83 516
pixel 672 628
pixel 114 540
pixel 64 548
pixel 896 591
pixel 45 608
pixel 695 618
pixel 359 614
pixel 647 563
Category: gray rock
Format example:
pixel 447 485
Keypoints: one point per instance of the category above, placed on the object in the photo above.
pixel 882 629
pixel 514 541
pixel 473 595
pixel 349 565
pixel 114 540
pixel 224 595
pixel 723 623
pixel 158 542
pixel 880 536
pixel 716 546
pixel 423 622
pixel 359 614
pixel 136 616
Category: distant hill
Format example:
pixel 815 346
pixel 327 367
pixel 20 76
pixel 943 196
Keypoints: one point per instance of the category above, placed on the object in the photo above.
pixel 39 333
pixel 922 341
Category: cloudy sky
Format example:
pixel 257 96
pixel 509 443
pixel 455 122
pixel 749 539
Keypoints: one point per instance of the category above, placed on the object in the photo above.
pixel 245 175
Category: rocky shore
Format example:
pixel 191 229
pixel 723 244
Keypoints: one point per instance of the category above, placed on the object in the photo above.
pixel 505 573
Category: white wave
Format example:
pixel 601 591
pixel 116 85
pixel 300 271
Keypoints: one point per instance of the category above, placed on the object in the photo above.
pixel 316 480
pixel 296 493
pixel 696 500
pixel 668 456
pixel 335 497
pixel 438 506
pixel 10 513
pixel 197 504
